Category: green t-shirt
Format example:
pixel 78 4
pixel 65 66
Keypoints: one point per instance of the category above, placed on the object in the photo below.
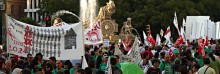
pixel 94 70
pixel 200 61
pixel 165 66
pixel 118 65
pixel 102 67
pixel 208 50
pixel 177 59
pixel 71 70
pixel 56 70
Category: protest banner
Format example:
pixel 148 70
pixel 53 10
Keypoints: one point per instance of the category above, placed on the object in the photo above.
pixel 64 43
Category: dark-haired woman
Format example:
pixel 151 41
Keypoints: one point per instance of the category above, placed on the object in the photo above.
pixel 68 66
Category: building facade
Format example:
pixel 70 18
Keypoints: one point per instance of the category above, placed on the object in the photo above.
pixel 32 8
pixel 15 8
pixel 2 5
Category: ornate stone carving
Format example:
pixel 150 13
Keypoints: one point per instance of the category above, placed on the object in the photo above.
pixel 126 30
pixel 106 12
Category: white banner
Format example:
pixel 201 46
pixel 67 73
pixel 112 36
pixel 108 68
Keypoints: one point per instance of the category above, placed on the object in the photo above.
pixel 123 58
pixel 213 31
pixel 106 43
pixel 209 29
pixel 134 53
pixel 94 35
pixel 64 43
pixel 217 30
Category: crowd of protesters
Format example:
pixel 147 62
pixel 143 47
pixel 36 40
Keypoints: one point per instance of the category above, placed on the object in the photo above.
pixel 185 59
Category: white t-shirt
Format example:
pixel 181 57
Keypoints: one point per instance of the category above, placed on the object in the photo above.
pixel 145 67
pixel 208 71
pixel 141 49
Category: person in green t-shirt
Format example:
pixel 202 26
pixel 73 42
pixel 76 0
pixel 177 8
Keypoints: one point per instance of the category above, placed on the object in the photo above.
pixel 199 59
pixel 92 65
pixel 165 66
pixel 68 65
pixel 208 49
pixel 117 61
pixel 59 65
pixel 103 65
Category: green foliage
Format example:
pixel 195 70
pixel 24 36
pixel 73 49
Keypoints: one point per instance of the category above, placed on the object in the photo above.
pixel 52 6
pixel 158 13
pixel 28 20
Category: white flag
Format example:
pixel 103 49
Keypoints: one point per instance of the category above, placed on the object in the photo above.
pixel 183 33
pixel 175 22
pixel 134 54
pixel 84 63
pixel 158 40
pixel 161 32
pixel 120 54
pixel 109 67
pixel 167 34
pixel 145 39
pixel 184 22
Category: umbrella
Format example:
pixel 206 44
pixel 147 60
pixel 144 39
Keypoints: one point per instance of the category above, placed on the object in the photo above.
pixel 130 68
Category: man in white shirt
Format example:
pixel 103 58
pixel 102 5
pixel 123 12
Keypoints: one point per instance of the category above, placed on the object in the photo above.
pixel 206 69
pixel 142 49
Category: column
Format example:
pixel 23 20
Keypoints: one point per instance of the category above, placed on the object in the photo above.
pixel 32 4
pixel 32 10
pixel 28 7
pixel 37 4
pixel 37 17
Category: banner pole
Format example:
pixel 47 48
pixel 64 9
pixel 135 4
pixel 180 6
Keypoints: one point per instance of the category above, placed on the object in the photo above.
pixel 8 51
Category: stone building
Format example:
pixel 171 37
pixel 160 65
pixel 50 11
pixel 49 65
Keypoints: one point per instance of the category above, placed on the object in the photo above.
pixel 15 8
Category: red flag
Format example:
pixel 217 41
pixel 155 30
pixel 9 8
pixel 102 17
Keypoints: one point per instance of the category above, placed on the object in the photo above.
pixel 151 39
pixel 126 44
pixel 206 40
pixel 171 54
pixel 201 47
pixel 167 34
pixel 179 40
pixel 188 43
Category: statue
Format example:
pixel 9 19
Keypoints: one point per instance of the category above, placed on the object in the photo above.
pixel 107 11
pixel 126 29
pixel 58 22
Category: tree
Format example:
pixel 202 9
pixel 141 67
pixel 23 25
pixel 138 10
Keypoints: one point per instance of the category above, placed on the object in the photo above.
pixel 29 21
pixel 158 13
pixel 52 6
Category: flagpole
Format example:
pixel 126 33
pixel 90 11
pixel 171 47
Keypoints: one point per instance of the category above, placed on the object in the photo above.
pixel 5 15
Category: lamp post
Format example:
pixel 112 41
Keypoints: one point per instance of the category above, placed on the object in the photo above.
pixel 148 29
